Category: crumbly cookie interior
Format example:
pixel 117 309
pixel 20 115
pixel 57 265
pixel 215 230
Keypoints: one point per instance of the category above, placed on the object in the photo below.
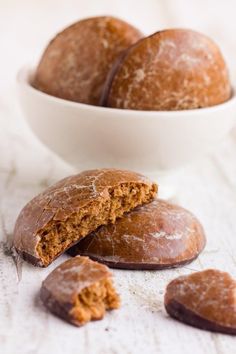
pixel 93 301
pixel 58 235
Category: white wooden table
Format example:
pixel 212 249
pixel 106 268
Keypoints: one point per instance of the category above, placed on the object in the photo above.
pixel 26 168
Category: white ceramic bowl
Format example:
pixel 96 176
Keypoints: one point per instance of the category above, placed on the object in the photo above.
pixel 146 141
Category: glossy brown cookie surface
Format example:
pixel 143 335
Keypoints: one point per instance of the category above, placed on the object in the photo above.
pixel 76 62
pixel 72 208
pixel 206 300
pixel 155 236
pixel 174 69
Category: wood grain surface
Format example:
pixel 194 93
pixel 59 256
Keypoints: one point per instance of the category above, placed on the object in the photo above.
pixel 207 188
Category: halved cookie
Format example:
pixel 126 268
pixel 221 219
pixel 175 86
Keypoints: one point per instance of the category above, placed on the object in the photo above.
pixel 72 208
pixel 154 236
pixel 79 290
pixel 206 300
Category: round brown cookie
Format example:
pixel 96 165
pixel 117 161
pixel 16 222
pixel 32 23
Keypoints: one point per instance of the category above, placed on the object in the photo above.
pixel 170 70
pixel 79 290
pixel 76 62
pixel 204 299
pixel 75 206
pixel 155 236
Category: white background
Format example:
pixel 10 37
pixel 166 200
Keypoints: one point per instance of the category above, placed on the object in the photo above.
pixel 26 167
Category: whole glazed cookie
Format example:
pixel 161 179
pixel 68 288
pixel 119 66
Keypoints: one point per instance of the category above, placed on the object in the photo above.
pixel 174 69
pixel 157 235
pixel 72 208
pixel 76 62
pixel 206 300
pixel 79 290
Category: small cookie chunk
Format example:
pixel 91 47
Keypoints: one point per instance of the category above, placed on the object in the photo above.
pixel 174 69
pixel 72 208
pixel 79 290
pixel 155 236
pixel 76 62
pixel 206 300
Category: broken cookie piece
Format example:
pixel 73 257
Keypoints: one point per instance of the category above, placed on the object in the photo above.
pixel 79 291
pixel 206 300
pixel 72 208
pixel 157 235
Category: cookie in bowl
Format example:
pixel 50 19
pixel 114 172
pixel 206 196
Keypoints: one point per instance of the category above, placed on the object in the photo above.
pixel 75 64
pixel 174 69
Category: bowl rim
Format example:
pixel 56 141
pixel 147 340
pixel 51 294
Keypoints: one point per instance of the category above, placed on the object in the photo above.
pixel 25 73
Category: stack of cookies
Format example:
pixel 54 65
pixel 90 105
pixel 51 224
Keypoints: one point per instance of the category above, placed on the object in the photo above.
pixel 113 217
